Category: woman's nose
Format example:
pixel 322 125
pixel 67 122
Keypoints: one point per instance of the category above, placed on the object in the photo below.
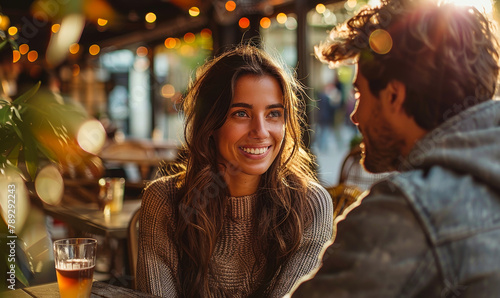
pixel 259 128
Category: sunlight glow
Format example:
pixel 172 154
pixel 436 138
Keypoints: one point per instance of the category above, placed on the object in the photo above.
pixel 484 6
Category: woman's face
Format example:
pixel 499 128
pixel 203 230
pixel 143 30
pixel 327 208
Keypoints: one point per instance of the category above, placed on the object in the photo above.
pixel 251 137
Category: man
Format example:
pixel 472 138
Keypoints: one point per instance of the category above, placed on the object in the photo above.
pixel 426 76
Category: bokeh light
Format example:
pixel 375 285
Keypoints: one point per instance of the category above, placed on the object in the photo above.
pixel 55 28
pixel 16 56
pixel 32 56
pixel 4 22
pixel 76 70
pixel 206 33
pixel 265 22
pixel 380 41
pixel 13 30
pixel 91 136
pixel 320 8
pixel 24 48
pixel 49 185
pixel 291 23
pixel 194 11
pixel 230 5
pixel 102 22
pixel 167 91
pixel 13 186
pixel 150 17
pixel 244 23
pixel 142 51
pixel 94 49
pixel 74 48
pixel 281 18
pixel 170 43
pixel 189 37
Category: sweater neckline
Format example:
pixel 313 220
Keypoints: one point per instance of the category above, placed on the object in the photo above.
pixel 242 207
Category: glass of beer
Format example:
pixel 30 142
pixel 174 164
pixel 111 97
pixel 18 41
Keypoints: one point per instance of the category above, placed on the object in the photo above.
pixel 75 261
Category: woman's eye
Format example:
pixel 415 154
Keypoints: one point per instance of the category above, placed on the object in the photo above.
pixel 240 114
pixel 275 114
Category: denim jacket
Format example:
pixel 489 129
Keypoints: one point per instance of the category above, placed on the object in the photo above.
pixel 432 230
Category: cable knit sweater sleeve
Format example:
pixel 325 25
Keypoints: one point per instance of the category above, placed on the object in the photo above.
pixel 315 237
pixel 157 261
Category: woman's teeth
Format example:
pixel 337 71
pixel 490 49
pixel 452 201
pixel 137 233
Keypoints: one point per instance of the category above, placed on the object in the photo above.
pixel 255 151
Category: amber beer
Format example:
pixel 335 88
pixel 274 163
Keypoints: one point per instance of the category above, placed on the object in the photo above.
pixel 75 262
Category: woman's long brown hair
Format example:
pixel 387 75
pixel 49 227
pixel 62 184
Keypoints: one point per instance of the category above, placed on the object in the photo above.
pixel 282 208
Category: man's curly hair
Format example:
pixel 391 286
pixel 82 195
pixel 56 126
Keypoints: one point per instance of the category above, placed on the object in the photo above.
pixel 446 55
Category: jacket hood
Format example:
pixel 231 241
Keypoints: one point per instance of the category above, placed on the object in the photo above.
pixel 469 142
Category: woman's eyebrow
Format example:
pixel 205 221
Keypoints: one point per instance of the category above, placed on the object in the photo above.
pixel 275 106
pixel 241 105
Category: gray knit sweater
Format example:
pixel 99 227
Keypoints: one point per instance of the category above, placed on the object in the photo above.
pixel 233 258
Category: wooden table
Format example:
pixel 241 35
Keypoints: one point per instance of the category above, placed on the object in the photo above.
pixel 89 219
pixel 86 220
pixel 99 289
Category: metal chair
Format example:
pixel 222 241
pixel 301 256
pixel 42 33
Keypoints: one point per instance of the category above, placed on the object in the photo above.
pixel 133 244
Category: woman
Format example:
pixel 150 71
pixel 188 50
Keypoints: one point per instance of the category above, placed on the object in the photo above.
pixel 241 215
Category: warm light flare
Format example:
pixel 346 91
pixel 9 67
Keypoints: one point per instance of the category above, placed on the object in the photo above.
pixel 380 41
pixel 189 37
pixel 4 22
pixel 49 185
pixel 320 8
pixel 265 22
pixel 13 30
pixel 281 18
pixel 168 91
pixel 74 48
pixel 230 5
pixel 94 49
pixel 102 22
pixel 206 33
pixel 484 6
pixel 13 187
pixel 32 56
pixel 170 43
pixel 91 136
pixel 142 51
pixel 194 11
pixel 16 56
pixel 55 28
pixel 24 48
pixel 244 23
pixel 150 17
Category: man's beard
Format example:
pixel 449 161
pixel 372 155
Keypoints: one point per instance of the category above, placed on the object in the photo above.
pixel 381 147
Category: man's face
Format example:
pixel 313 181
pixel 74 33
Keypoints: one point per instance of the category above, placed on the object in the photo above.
pixel 381 147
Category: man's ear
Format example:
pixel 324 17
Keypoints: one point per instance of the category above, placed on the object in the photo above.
pixel 396 92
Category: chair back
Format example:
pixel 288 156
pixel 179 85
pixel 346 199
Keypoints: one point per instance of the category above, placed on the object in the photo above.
pixel 133 244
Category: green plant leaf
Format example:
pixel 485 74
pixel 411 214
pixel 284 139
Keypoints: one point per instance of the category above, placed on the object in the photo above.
pixel 13 156
pixel 23 98
pixel 5 116
pixel 16 112
pixel 13 44
pixel 47 152
pixel 30 150
pixel 3 43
